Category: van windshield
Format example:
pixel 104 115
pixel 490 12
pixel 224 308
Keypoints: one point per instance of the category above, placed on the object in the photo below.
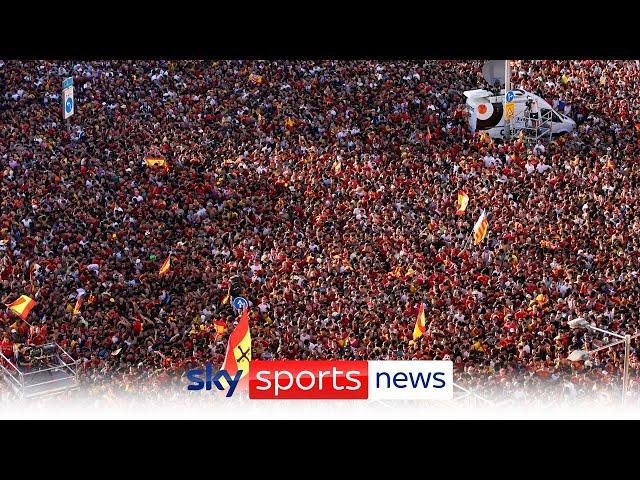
pixel 554 116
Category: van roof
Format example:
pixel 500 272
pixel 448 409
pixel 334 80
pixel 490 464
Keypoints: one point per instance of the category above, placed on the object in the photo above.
pixel 478 93
pixel 519 92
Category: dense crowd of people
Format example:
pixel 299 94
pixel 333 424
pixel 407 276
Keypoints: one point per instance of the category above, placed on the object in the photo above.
pixel 329 189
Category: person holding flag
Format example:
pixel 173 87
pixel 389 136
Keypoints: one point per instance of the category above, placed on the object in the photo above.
pixel 166 265
pixel 79 302
pixel 220 326
pixel 22 306
pixel 238 349
pixel 421 324
pixel 155 162
pixel 463 201
pixel 480 228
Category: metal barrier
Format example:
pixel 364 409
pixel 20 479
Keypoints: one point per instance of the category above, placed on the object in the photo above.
pixel 55 371
pixel 471 399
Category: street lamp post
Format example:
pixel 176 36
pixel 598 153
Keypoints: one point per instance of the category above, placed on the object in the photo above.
pixel 625 378
pixel 579 355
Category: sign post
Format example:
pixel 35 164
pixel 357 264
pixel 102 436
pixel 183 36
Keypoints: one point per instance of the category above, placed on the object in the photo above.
pixel 239 303
pixel 507 90
pixel 68 102
pixel 509 110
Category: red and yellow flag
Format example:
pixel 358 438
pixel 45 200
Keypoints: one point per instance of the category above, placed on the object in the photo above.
pixel 480 229
pixel 22 306
pixel 421 324
pixel 79 301
pixel 221 327
pixel 239 349
pixel 155 161
pixel 463 201
pixel 165 266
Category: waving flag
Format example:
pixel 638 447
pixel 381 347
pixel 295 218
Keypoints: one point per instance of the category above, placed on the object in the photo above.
pixel 221 327
pixel 421 324
pixel 165 266
pixel 480 229
pixel 155 161
pixel 239 349
pixel 79 301
pixel 22 306
pixel 463 201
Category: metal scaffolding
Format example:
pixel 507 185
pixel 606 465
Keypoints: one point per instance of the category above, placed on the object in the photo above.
pixel 535 128
pixel 45 370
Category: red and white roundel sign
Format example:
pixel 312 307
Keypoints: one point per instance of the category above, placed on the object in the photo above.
pixel 488 115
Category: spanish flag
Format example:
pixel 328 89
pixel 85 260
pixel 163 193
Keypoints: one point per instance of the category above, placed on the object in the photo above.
pixel 155 161
pixel 463 201
pixel 421 326
pixel 337 167
pixel 22 306
pixel 79 301
pixel 221 327
pixel 165 266
pixel 239 349
pixel 480 229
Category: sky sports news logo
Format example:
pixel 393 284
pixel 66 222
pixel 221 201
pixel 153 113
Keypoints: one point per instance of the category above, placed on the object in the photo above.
pixel 333 380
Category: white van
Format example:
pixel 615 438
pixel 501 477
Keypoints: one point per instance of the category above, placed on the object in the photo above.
pixel 486 112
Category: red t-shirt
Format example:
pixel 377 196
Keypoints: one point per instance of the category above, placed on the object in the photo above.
pixel 7 348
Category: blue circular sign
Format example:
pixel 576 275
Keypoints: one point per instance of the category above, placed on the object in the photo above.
pixel 240 303
pixel 509 96
pixel 69 105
